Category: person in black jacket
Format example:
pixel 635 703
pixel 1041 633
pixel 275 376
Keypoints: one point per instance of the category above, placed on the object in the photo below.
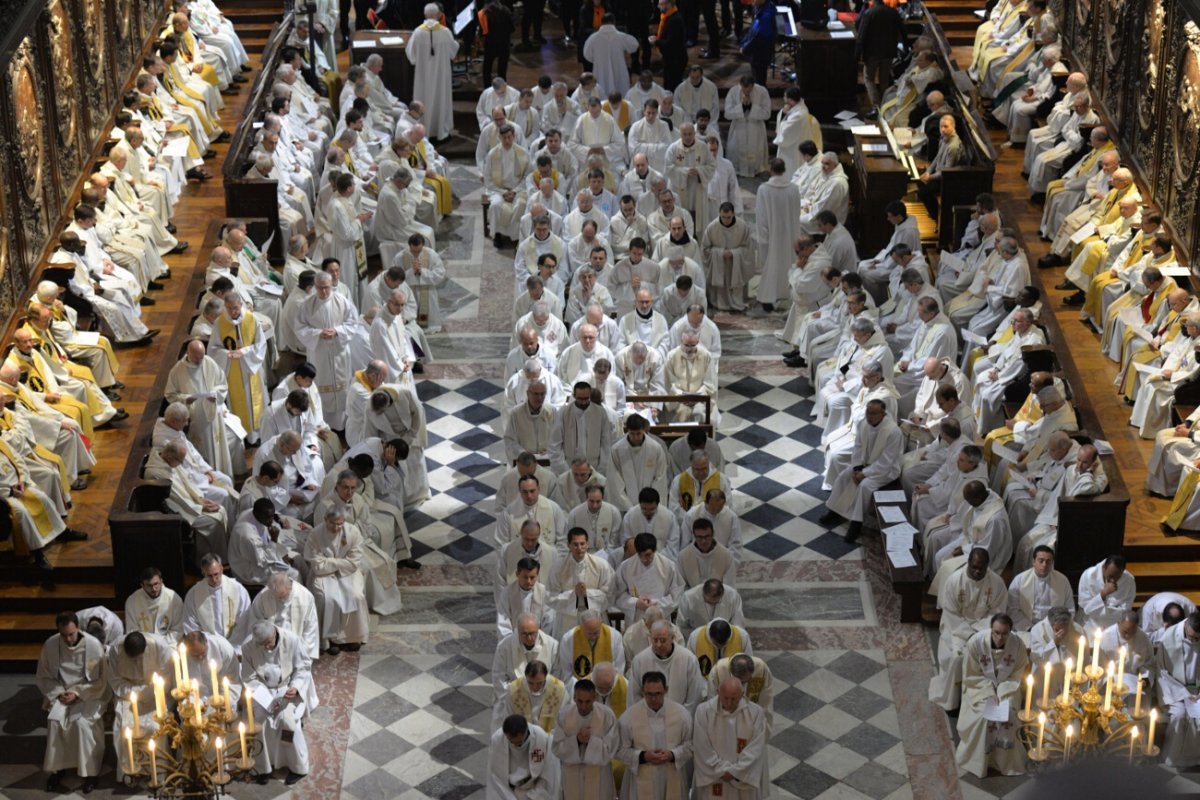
pixel 635 16
pixel 497 42
pixel 880 30
pixel 671 41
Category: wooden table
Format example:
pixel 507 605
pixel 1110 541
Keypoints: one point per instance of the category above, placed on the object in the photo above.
pixel 397 73
pixel 827 73
pixel 877 181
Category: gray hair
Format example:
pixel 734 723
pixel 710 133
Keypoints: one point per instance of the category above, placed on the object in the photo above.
pixel 263 631
pixel 177 412
pixel 862 325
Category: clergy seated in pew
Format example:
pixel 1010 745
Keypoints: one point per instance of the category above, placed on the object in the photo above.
pixel 1054 641
pixel 582 581
pixel 586 646
pixel 1105 591
pixel 873 463
pixel 154 608
pixel 70 678
pixel 218 604
pixel 994 663
pixel 1083 477
pixel 968 600
pixel 1178 672
pixel 978 522
pixel 1034 591
pixel 290 605
pixel 1162 611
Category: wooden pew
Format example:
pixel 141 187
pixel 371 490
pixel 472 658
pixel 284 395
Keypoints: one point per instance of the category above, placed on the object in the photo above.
pixel 251 197
pixel 907 582
pixel 668 433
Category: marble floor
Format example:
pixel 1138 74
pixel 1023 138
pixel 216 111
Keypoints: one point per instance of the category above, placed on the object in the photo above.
pixel 409 716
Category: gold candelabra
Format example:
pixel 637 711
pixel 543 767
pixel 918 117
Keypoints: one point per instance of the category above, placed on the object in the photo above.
pixel 199 749
pixel 1087 718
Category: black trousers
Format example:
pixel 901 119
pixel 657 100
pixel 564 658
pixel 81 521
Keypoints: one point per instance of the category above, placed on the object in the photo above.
pixel 637 25
pixel 691 19
pixel 499 57
pixel 569 13
pixel 531 19
pixel 361 7
pixel 732 20
pixel 760 71
pixel 928 193
pixel 709 9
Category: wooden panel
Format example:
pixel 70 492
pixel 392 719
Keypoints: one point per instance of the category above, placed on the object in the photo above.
pixel 1181 130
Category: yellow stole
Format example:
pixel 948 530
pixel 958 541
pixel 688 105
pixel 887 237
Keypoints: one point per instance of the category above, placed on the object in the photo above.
pixel 1182 501
pixel 35 507
pixel 51 349
pixel 687 488
pixel 361 377
pixel 585 656
pixel 60 315
pixel 706 651
pixel 530 254
pixel 551 703
pixel 43 453
pixel 66 403
pixel 621 115
pixel 248 409
pixel 521 166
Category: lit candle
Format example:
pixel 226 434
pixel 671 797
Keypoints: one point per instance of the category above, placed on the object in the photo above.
pixel 1132 742
pixel 212 673
pixel 1066 697
pixel 196 705
pixel 1067 749
pixel 1121 667
pixel 153 762
pixel 228 705
pixel 137 724
pixel 183 667
pixel 1041 729
pixel 1045 687
pixel 1029 693
pixel 1079 658
pixel 220 756
pixel 160 700
pixel 1150 735
pixel 242 736
pixel 249 710
pixel 129 742
pixel 1108 687
pixel 1096 649
pixel 1137 701
pixel 175 663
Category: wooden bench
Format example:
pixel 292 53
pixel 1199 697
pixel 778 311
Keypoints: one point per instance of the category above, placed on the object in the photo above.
pixel 907 582
pixel 256 197
pixel 672 431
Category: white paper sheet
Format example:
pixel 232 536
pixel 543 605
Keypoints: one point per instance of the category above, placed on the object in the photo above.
pixel 391 40
pixel 841 34
pixel 850 124
pixel 865 129
pixel 841 115
pixel 1193 708
pixel 1006 454
pixel 890 496
pixel 1147 369
pixel 891 513
pixel 994 711
pixel 362 44
pixel 952 261
pixel 1102 447
pixel 1176 271
pixel 234 424
pixel 1087 230
pixel 175 148
pixel 85 338
pixel 901 560
pixel 973 337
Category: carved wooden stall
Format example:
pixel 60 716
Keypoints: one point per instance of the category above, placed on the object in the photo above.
pixel 1143 60
pixel 65 64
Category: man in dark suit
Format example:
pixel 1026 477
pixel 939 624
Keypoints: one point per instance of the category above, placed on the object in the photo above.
pixel 671 41
pixel 880 30
pixel 496 26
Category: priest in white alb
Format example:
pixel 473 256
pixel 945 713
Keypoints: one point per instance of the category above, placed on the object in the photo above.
pixel 218 604
pixel 994 665
pixel 729 746
pixel 277 671
pixel 968 599
pixel 200 384
pixel 1178 668
pixel 154 608
pixel 586 741
pixel 70 678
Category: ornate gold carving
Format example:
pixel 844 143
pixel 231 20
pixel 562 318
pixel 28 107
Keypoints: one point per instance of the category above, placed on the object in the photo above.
pixel 66 98
pixel 97 42
pixel 27 106
pixel 1156 21
pixel 1187 107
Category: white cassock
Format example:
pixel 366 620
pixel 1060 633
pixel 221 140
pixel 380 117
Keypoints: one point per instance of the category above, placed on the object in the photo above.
pixel 634 469
pixel 596 576
pixel 653 141
pixel 504 171
pixel 219 490
pixel 222 610
pixel 268 675
pixel 382 546
pixel 984 526
pixel 161 616
pixel 688 171
pixel 75 732
pixel 777 221
pixel 253 556
pixel 511 656
pixel 425 275
pixel 187 500
pixel 587 768
pixel 114 629
pixel 734 743
pixel 394 221
pixel 1178 665
pixel 298 613
pixel 1045 649
pixel 581 433
pixel 347 244
pixel 331 357
pixel 685 682
pixel 643 729
pixel 430 50
pixel 1098 612
pixel 209 422
pixel 606 49
pixel 1139 652
pixel 127 674
pixel 338 583
pixel 793 128
pixel 404 418
pixel 1030 598
pixel 878 449
pixel 728 277
pixel 967 608
pixel 528 772
pixel 747 146
pixel 991 676
pixel 599 133
pixel 660 582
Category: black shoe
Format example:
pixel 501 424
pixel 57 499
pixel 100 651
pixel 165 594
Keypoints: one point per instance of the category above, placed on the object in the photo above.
pixel 170 226
pixel 352 647
pixel 830 518
pixel 79 485
pixel 1076 299
pixel 155 285
pixel 796 363
pixel 768 307
pixel 111 395
pixel 710 54
pixel 334 649
pixel 418 368
pixel 224 136
pixel 293 778
pixel 209 153
pixel 147 301
pixel 240 79
pixel 872 114
pixel 89 785
pixel 117 385
pixel 793 353
pixel 1051 260
pixel 229 91
pixel 179 248
pixel 54 782
pixel 247 68
pixel 263 780
pixel 71 535
pixel 120 415
pixel 409 563
pixel 1065 286
pixel 1038 198
pixel 197 174
pixel 852 535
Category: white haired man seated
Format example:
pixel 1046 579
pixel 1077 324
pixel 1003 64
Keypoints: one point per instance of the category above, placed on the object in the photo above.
pixel 277 671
